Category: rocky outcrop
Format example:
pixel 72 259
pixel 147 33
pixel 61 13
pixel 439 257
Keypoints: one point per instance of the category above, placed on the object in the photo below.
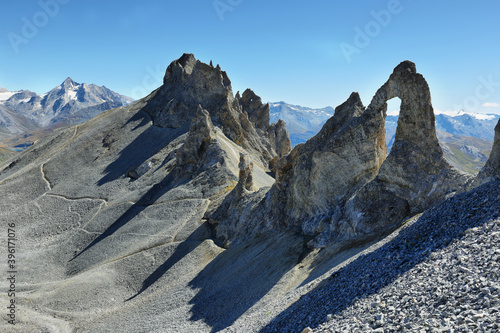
pixel 258 113
pixel 341 186
pixel 316 178
pixel 242 214
pixel 188 83
pixel 491 170
pixel 279 138
pixel 201 135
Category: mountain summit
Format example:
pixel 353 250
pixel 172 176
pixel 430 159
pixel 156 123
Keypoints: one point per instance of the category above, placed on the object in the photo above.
pixel 68 82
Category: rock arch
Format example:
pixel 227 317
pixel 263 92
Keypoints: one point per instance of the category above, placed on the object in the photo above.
pixel 415 175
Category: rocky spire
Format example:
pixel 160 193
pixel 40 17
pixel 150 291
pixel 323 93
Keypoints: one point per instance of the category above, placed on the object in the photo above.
pixel 318 176
pixel 245 179
pixel 491 170
pixel 201 134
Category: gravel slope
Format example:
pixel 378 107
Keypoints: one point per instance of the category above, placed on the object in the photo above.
pixel 440 274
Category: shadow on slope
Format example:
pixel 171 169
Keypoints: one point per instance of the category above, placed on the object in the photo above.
pixel 152 195
pixel 434 230
pixel 238 278
pixel 134 154
pixel 183 249
pixel 144 146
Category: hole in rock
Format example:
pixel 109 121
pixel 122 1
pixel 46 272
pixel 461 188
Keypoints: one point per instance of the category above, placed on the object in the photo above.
pixel 391 121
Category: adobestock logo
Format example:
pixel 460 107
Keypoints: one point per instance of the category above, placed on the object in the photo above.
pixel 483 91
pixel 223 6
pixel 30 28
pixel 373 28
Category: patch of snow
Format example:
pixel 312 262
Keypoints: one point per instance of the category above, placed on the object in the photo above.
pixel 479 116
pixel 6 95
pixel 72 93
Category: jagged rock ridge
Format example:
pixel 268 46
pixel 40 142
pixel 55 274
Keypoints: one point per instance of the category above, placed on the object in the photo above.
pixel 339 186
pixel 189 83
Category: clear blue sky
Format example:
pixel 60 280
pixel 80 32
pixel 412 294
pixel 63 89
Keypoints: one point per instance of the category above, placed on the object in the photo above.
pixel 283 50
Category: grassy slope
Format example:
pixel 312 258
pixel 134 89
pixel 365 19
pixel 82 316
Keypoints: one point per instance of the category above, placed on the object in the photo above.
pixel 458 158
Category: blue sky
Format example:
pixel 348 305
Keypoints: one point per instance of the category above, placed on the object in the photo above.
pixel 313 54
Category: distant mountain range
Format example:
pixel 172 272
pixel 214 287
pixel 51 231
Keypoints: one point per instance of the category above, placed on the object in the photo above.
pixel 26 117
pixel 466 138
pixel 12 122
pixel 62 103
pixel 301 122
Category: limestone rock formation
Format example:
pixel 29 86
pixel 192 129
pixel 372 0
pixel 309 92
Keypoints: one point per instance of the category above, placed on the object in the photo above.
pixel 258 113
pixel 189 83
pixel 201 134
pixel 318 176
pixel 341 186
pixel 415 175
pixel 492 168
